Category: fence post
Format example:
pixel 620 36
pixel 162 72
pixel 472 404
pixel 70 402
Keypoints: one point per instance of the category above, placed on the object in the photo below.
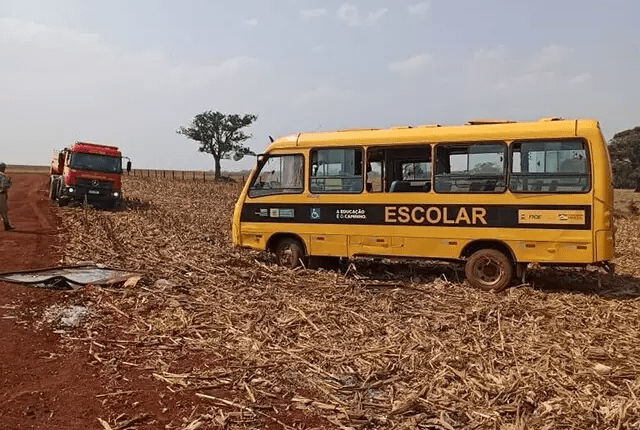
pixel 183 175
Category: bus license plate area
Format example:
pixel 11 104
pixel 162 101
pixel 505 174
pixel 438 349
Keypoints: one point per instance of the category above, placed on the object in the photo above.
pixel 94 192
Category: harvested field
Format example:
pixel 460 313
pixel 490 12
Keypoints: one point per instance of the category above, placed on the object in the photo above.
pixel 248 344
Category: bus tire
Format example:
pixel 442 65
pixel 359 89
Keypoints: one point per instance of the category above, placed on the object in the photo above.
pixel 489 269
pixel 289 253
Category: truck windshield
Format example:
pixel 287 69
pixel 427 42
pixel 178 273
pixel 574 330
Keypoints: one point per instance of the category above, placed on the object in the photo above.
pixel 96 163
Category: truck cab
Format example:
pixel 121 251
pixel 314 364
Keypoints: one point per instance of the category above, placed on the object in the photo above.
pixel 87 172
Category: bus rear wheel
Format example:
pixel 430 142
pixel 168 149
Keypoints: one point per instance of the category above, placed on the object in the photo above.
pixel 489 269
pixel 289 253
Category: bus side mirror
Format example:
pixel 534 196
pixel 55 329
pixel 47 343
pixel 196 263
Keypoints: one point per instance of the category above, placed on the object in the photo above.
pixel 128 166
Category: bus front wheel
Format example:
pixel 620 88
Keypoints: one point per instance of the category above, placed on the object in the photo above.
pixel 489 269
pixel 289 253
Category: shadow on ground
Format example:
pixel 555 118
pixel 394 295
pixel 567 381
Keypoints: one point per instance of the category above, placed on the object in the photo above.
pixel 135 204
pixel 125 204
pixel 589 281
pixel 584 281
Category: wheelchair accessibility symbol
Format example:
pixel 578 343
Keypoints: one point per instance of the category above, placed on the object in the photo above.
pixel 315 213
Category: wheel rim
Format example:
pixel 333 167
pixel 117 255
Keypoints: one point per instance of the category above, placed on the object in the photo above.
pixel 488 271
pixel 287 256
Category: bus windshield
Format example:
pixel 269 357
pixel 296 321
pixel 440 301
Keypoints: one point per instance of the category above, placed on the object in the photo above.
pixel 279 175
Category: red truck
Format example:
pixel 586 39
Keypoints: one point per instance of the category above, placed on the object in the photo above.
pixel 87 172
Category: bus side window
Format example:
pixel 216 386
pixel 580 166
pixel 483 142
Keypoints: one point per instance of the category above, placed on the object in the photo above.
pixel 443 168
pixel 549 166
pixel 408 169
pixel 336 171
pixel 478 167
pixel 374 177
pixel 444 165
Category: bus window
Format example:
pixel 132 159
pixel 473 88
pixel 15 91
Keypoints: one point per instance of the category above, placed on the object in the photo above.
pixel 374 177
pixel 336 171
pixel 279 174
pixel 375 170
pixel 549 167
pixel 417 174
pixel 471 168
pixel 404 169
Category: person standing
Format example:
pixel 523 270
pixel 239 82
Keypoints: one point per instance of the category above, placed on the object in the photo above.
pixel 5 183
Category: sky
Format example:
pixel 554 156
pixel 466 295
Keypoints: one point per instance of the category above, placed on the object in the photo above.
pixel 129 73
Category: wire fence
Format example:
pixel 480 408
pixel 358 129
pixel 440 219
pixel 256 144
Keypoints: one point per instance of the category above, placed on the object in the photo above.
pixel 184 175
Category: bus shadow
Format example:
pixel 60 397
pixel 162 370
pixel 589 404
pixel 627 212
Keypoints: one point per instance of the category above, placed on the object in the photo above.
pixel 595 283
pixel 549 280
pixel 417 271
pixel 388 273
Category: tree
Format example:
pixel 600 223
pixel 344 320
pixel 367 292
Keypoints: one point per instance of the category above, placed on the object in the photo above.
pixel 624 150
pixel 220 135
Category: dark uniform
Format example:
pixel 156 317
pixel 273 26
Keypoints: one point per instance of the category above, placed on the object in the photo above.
pixel 5 183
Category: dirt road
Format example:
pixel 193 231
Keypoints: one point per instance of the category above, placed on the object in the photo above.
pixel 43 384
pixel 53 378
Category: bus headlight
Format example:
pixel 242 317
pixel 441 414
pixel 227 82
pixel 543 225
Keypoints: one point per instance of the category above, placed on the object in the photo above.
pixel 71 190
pixel 115 194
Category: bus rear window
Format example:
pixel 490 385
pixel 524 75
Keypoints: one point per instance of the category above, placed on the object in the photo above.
pixel 549 166
pixel 279 174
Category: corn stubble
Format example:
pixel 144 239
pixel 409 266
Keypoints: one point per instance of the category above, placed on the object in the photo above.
pixel 393 346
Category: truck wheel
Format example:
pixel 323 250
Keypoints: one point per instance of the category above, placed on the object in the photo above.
pixel 289 253
pixel 489 269
pixel 53 189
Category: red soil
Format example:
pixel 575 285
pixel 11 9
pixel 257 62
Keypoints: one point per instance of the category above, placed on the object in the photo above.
pixel 54 381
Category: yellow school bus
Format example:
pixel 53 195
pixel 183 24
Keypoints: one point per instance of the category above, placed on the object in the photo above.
pixel 495 195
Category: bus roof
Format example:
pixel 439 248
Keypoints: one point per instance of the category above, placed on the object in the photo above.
pixel 474 130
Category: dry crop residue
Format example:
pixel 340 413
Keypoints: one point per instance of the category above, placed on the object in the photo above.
pixel 238 341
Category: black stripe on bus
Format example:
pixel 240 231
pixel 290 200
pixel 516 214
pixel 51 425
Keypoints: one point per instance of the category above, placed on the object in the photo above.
pixel 411 214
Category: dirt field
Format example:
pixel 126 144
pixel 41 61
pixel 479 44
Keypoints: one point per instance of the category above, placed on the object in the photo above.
pixel 43 385
pixel 213 337
pixel 52 379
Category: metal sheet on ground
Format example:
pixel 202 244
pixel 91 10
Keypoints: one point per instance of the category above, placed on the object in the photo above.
pixel 70 276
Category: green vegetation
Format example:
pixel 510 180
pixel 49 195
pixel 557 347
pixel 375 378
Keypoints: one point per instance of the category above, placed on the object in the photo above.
pixel 625 158
pixel 220 135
